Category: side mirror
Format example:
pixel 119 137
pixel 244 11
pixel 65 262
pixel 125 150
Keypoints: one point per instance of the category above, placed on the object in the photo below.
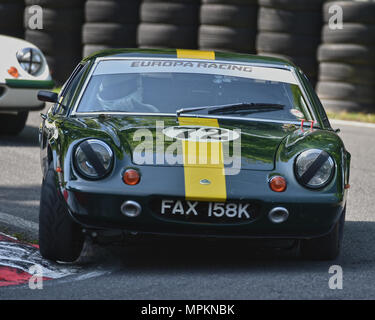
pixel 47 96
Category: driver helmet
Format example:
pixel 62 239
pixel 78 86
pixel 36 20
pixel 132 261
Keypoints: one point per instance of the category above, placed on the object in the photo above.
pixel 117 91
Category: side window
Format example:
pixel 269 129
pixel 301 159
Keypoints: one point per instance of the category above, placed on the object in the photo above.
pixel 69 88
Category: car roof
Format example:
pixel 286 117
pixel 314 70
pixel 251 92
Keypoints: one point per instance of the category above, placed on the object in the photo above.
pixel 173 53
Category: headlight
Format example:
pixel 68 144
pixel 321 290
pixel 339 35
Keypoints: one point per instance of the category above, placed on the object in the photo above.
pixel 30 59
pixel 93 159
pixel 314 168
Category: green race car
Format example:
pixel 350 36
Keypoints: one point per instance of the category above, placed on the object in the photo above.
pixel 190 143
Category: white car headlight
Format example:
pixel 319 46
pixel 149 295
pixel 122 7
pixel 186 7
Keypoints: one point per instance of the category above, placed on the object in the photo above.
pixel 93 159
pixel 314 168
pixel 30 59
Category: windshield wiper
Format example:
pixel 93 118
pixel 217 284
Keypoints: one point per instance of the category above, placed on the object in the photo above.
pixel 259 106
pixel 247 106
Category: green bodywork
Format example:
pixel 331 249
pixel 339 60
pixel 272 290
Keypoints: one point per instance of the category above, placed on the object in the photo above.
pixel 30 84
pixel 267 149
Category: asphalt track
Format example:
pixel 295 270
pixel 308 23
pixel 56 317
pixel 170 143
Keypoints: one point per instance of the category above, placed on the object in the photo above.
pixel 191 269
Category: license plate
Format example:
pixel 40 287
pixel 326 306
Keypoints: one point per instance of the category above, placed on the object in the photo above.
pixel 207 211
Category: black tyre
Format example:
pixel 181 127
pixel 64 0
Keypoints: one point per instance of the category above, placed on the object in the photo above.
pixel 353 11
pixel 10 15
pixel 311 5
pixel 17 32
pixel 156 35
pixel 241 2
pixel 89 49
pixel 227 38
pixel 347 105
pixel 56 3
pixel 347 53
pixel 309 65
pixel 239 16
pixel 176 1
pixel 344 72
pixel 288 44
pixel 277 20
pixel 56 19
pixel 61 66
pixel 52 43
pixel 326 247
pixel 109 34
pixel 350 33
pixel 60 238
pixel 170 13
pixel 345 91
pixel 62 51
pixel 13 124
pixel 62 61
pixel 116 11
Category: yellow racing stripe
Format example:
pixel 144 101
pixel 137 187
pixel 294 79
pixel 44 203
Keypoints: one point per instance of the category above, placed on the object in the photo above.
pixel 203 161
pixel 195 54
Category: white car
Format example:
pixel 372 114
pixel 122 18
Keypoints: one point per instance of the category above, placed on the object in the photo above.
pixel 23 72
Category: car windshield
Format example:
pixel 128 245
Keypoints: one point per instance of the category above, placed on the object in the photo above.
pixel 158 90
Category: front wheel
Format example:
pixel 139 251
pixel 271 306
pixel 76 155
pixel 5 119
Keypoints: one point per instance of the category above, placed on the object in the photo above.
pixel 13 124
pixel 326 247
pixel 60 238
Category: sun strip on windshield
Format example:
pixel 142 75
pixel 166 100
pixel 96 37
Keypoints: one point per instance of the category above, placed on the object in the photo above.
pixel 197 66
pixel 195 54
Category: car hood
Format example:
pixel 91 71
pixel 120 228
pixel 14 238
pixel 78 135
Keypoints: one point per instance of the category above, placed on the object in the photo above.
pixel 258 141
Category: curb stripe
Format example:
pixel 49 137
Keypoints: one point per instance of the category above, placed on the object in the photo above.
pixel 203 160
pixel 16 257
pixel 10 276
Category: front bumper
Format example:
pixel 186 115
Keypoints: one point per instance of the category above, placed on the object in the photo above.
pixel 307 219
pixel 97 204
pixel 17 95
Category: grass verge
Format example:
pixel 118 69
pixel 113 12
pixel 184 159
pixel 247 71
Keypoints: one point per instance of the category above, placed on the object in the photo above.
pixel 18 235
pixel 353 116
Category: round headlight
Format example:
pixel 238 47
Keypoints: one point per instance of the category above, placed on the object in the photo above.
pixel 314 168
pixel 93 159
pixel 30 59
